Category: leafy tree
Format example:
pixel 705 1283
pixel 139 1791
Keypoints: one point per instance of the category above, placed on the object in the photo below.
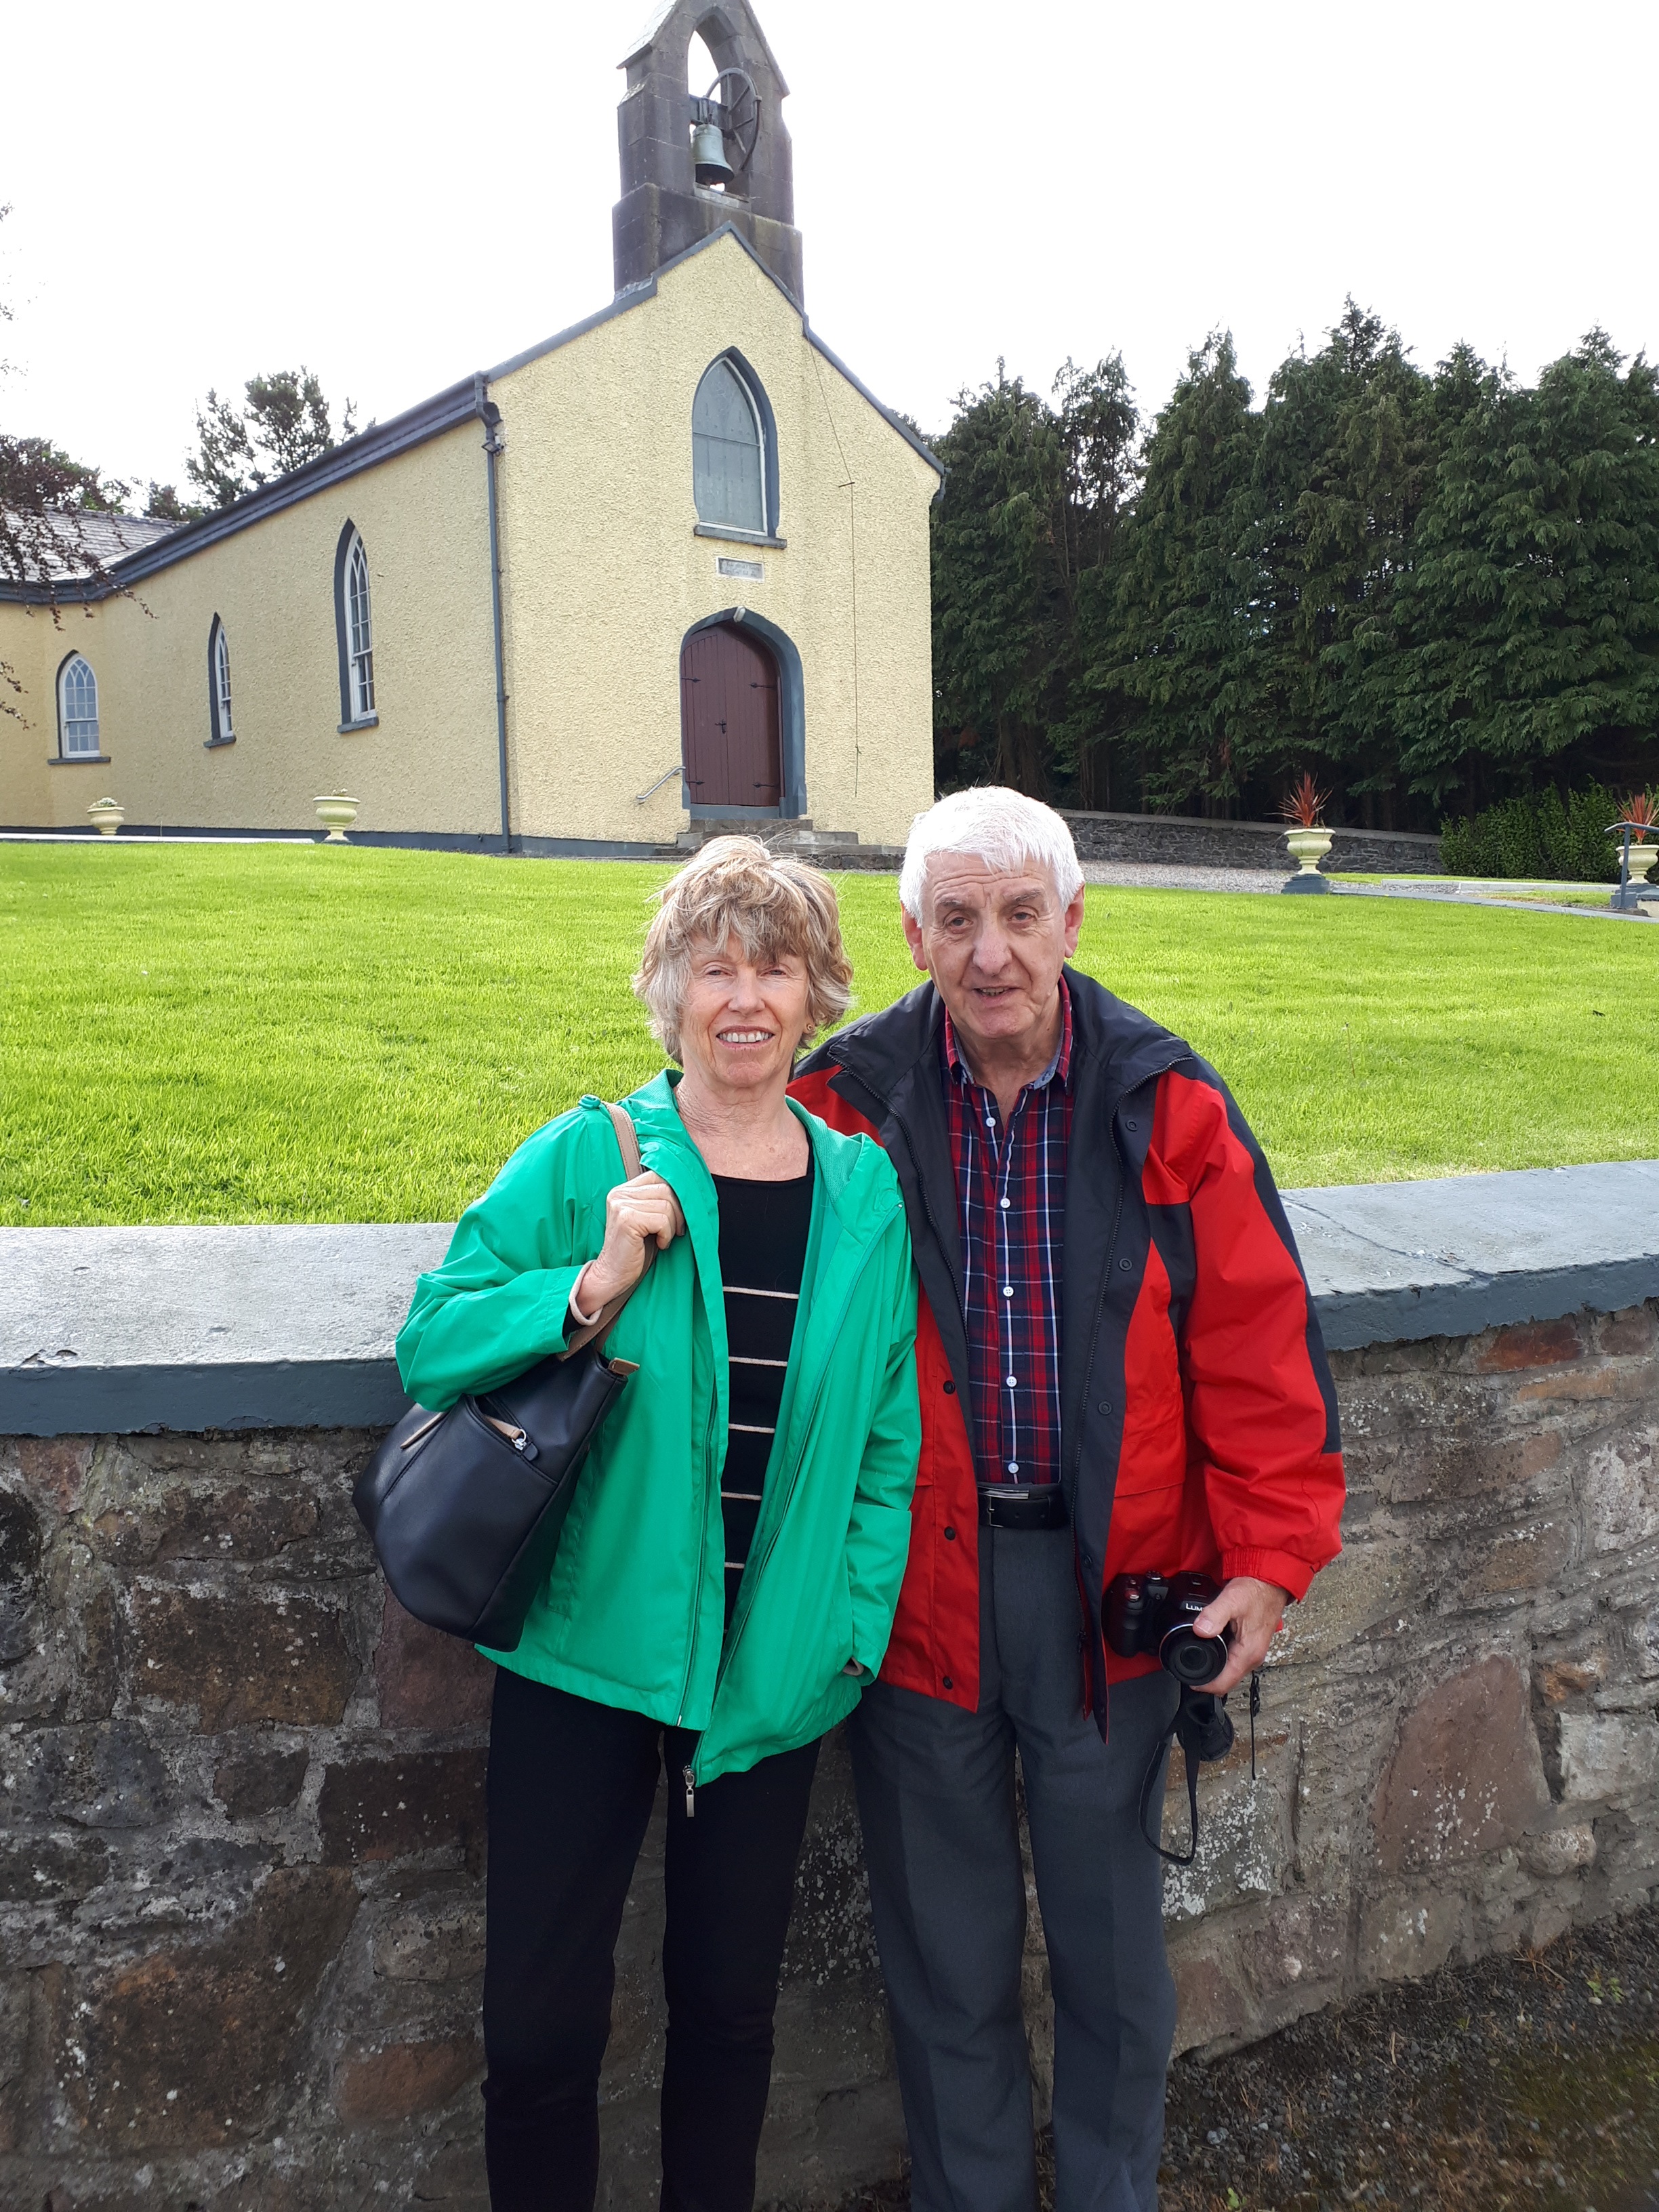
pixel 164 505
pixel 1186 614
pixel 285 424
pixel 1099 427
pixel 43 494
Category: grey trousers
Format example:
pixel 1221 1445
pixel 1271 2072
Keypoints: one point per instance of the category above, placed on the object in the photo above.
pixel 936 1796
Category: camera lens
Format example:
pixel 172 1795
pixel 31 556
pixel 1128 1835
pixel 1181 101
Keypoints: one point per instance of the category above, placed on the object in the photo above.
pixel 1194 1659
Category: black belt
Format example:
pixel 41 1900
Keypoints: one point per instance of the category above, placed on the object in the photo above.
pixel 1022 1506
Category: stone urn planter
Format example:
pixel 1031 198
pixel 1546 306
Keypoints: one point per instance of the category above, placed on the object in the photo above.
pixel 1642 858
pixel 1310 847
pixel 106 816
pixel 336 813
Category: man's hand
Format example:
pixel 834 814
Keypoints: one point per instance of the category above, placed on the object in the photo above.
pixel 1255 1611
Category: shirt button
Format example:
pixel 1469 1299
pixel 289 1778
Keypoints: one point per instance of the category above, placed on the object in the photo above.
pixel 1014 1467
pixel 1013 1381
pixel 1006 1203
pixel 1008 1288
pixel 990 1120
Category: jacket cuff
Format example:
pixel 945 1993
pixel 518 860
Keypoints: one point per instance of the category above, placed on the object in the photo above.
pixel 1284 1568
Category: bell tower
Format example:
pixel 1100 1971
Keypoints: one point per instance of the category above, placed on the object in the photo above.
pixel 691 162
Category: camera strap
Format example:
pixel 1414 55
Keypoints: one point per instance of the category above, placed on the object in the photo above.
pixel 1204 1731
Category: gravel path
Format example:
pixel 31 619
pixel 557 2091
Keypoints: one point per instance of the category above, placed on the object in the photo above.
pixel 1532 2080
pixel 1155 875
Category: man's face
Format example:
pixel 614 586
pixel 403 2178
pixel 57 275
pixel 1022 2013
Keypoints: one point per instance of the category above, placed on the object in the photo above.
pixel 995 944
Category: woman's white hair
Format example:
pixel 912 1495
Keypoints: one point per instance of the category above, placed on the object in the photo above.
pixel 1005 829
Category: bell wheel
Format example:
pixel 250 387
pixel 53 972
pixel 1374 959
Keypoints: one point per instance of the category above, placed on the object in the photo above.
pixel 738 106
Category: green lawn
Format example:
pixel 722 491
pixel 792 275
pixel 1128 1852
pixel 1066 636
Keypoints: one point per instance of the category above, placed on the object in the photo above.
pixel 271 1033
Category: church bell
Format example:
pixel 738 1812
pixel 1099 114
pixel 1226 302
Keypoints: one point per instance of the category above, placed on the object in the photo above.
pixel 709 155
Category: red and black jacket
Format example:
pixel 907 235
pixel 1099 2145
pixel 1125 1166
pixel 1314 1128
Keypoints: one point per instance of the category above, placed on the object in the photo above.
pixel 1198 1415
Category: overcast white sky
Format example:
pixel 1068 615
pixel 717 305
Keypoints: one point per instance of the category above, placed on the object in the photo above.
pixel 397 195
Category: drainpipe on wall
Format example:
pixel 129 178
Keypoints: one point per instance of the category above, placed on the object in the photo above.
pixel 494 445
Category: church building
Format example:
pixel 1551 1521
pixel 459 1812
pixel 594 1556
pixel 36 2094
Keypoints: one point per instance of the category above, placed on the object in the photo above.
pixel 666 569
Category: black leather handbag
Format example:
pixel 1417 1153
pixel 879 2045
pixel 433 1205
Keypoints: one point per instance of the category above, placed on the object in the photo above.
pixel 466 1508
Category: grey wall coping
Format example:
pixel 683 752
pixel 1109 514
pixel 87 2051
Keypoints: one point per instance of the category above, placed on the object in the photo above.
pixel 278 1327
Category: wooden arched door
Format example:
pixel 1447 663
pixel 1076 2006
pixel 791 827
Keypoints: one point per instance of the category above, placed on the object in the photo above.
pixel 730 746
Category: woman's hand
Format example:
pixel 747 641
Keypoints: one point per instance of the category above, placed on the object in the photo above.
pixel 636 1214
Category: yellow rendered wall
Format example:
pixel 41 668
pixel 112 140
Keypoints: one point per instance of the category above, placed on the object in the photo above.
pixel 431 763
pixel 604 575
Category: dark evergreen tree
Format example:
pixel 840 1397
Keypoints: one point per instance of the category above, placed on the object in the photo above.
pixel 1347 453
pixel 1529 623
pixel 1181 640
pixel 999 611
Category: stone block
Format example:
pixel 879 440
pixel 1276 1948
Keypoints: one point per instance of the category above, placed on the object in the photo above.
pixel 14 2060
pixel 1621 1481
pixel 259 1778
pixel 1210 2003
pixel 243 1655
pixel 1244 1835
pixel 1520 1558
pixel 47 1869
pixel 1466 1777
pixel 21 1549
pixel 1559 1852
pixel 1404 1933
pixel 440 1942
pixel 1363 1587
pixel 1530 1344
pixel 200 1520
pixel 192 2045
pixel 1606 1758
pixel 406 2078
pixel 107 1775
pixel 428 1679
pixel 54 1468
pixel 1628 1334
pixel 375 1809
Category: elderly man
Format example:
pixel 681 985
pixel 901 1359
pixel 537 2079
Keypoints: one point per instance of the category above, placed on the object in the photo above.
pixel 1119 1371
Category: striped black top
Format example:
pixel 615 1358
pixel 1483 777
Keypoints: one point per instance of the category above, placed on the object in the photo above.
pixel 764 1227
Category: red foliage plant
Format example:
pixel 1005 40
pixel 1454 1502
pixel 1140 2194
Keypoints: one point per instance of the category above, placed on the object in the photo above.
pixel 1639 812
pixel 1304 803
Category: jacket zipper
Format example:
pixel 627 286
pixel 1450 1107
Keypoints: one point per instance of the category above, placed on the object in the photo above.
pixel 730 1652
pixel 696 1595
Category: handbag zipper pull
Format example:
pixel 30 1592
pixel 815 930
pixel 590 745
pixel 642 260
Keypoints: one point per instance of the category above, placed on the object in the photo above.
pixel 690 1781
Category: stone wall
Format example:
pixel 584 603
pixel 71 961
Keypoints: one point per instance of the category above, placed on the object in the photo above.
pixel 244 1826
pixel 1190 841
pixel 241 1794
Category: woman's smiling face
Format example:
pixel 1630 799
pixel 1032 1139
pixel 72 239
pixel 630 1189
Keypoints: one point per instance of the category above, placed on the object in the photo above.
pixel 742 1019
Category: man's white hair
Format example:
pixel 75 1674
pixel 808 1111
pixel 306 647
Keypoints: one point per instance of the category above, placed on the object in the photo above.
pixel 1005 829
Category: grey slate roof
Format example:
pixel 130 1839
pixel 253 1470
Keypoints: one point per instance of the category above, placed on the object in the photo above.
pixel 83 537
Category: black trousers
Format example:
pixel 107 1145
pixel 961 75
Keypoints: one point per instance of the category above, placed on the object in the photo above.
pixel 571 1788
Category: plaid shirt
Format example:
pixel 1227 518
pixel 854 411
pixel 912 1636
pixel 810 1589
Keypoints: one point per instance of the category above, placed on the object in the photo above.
pixel 1010 1188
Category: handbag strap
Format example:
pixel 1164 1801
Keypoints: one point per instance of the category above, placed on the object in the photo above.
pixel 628 1143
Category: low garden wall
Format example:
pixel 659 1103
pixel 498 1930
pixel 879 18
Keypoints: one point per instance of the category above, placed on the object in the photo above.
pixel 1190 841
pixel 243 1835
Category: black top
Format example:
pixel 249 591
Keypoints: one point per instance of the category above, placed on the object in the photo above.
pixel 763 1227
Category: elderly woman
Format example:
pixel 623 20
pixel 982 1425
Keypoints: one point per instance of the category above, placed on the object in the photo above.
pixel 726 1576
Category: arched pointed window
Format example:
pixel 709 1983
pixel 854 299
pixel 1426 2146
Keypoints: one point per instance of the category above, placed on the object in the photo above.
pixel 355 631
pixel 77 709
pixel 735 478
pixel 222 729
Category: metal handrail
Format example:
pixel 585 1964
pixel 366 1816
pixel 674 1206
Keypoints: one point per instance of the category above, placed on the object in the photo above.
pixel 640 797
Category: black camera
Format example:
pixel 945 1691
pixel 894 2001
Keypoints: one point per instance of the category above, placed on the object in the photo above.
pixel 1154 1614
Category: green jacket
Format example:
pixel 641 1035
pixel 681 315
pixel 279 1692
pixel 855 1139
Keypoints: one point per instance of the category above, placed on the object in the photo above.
pixel 633 1612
